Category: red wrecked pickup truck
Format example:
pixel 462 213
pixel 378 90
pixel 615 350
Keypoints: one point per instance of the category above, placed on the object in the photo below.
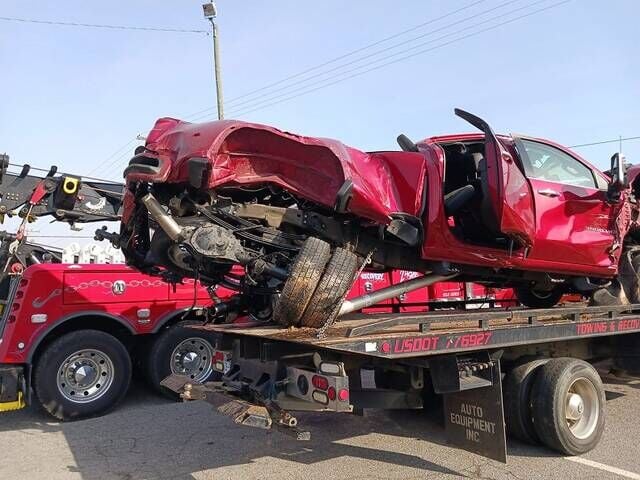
pixel 302 215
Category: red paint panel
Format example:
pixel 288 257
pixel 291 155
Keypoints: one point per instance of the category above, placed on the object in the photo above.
pixel 447 292
pixel 505 297
pixel 576 226
pixel 244 153
pixel 372 281
pixel 414 297
pixel 185 291
pixel 102 288
pixel 54 292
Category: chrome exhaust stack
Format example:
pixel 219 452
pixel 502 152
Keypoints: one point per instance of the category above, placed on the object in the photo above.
pixel 369 299
pixel 166 222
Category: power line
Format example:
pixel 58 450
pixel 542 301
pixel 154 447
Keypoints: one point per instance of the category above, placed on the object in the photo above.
pixel 394 55
pixel 96 25
pixel 120 161
pixel 604 141
pixel 105 165
pixel 396 45
pixel 343 56
pixel 261 104
pixel 116 163
pixel 421 52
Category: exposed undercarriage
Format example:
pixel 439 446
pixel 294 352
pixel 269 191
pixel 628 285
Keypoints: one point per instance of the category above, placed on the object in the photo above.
pixel 177 232
pixel 287 247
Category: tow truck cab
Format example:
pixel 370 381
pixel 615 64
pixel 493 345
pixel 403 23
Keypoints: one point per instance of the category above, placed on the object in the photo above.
pixel 130 311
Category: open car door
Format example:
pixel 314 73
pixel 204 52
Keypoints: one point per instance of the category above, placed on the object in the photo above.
pixel 509 207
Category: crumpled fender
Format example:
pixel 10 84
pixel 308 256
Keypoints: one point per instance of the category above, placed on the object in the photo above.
pixel 241 153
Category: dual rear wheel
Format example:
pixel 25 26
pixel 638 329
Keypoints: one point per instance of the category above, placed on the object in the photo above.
pixel 318 282
pixel 179 350
pixel 557 402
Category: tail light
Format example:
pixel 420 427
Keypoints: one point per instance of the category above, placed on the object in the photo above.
pixel 320 382
pixel 331 393
pixel 221 361
pixel 326 390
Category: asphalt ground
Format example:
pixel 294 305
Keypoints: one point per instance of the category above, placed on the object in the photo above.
pixel 148 437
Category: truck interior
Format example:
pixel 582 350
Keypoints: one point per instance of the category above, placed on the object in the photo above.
pixel 468 206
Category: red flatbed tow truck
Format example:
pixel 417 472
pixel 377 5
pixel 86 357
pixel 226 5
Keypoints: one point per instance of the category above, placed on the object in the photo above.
pixel 529 368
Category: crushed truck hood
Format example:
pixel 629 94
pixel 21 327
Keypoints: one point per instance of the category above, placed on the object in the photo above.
pixel 238 153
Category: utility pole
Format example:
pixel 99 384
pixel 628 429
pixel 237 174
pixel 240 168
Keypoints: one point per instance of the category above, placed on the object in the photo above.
pixel 210 13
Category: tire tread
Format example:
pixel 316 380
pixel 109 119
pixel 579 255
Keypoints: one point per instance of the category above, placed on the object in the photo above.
pixel 334 284
pixel 545 405
pixel 303 279
pixel 517 411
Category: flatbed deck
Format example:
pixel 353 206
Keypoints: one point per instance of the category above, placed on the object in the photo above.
pixel 405 335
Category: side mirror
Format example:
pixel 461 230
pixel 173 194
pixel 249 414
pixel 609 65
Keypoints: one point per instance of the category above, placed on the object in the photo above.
pixel 618 172
pixel 618 177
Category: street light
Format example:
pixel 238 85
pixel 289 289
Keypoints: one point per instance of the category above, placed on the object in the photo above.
pixel 210 13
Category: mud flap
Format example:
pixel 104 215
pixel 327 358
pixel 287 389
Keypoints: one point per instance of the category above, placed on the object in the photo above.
pixel 473 405
pixel 11 389
pixel 17 404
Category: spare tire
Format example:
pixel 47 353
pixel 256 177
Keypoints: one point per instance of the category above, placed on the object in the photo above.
pixel 304 277
pixel 334 285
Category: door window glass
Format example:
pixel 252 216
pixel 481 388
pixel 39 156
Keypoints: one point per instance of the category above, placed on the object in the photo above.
pixel 548 163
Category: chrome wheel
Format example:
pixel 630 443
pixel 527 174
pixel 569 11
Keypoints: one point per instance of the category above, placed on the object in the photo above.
pixel 85 376
pixel 192 357
pixel 582 408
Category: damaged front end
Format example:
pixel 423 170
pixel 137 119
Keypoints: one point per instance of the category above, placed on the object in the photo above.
pixel 175 237
pixel 203 198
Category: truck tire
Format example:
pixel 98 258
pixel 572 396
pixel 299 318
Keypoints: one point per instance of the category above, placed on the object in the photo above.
pixel 82 374
pixel 334 284
pixel 181 350
pixel 568 406
pixel 302 282
pixel 537 299
pixel 517 386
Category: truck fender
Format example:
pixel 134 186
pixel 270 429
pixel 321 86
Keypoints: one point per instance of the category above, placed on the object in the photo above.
pixel 167 317
pixel 72 316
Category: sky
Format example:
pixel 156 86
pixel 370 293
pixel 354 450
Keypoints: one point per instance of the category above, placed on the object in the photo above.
pixel 77 97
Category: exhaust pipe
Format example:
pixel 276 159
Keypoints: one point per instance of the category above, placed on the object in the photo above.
pixel 166 222
pixel 364 301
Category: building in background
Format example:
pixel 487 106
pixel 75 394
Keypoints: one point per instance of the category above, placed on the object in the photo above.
pixel 91 253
